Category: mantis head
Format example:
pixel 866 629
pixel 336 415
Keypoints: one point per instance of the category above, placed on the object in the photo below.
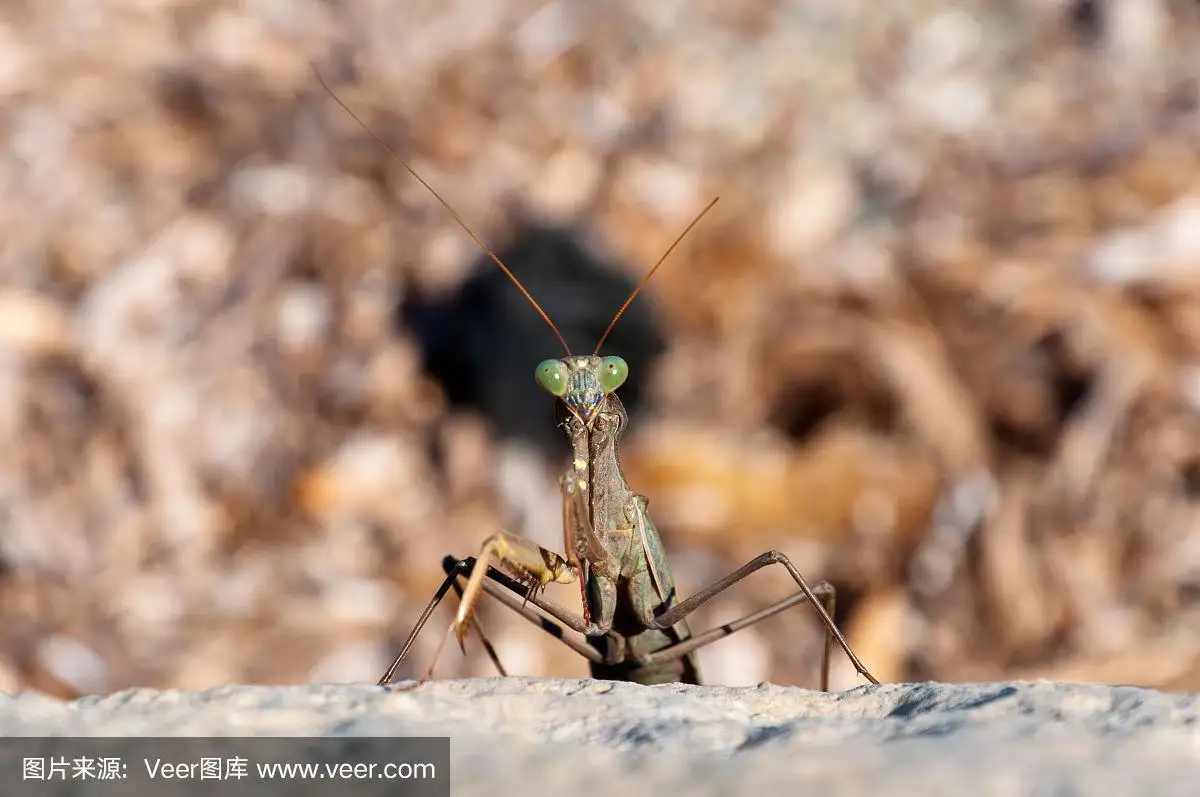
pixel 582 382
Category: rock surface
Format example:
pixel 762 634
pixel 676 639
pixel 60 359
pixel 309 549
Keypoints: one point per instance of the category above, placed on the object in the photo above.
pixel 531 736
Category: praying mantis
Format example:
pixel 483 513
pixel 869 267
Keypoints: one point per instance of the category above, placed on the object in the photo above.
pixel 633 626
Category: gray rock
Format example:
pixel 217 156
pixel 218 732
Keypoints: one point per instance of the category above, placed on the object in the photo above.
pixel 581 738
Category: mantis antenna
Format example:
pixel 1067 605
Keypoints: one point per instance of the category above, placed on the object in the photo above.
pixel 494 257
pixel 650 274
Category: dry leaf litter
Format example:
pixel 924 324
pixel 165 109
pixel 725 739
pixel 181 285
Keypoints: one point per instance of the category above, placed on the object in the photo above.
pixel 939 340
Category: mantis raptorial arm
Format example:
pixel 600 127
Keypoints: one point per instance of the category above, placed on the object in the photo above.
pixel 509 592
pixel 530 561
pixel 535 567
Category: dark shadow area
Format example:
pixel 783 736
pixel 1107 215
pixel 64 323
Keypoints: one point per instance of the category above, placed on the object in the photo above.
pixel 757 737
pixel 927 701
pixel 849 392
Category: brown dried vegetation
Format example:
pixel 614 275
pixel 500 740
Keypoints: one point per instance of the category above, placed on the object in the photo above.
pixel 940 340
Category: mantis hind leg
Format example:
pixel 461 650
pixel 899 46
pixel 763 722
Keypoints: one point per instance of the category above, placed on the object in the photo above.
pixel 822 596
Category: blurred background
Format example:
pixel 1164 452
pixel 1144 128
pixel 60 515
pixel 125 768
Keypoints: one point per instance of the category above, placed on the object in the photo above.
pixel 939 341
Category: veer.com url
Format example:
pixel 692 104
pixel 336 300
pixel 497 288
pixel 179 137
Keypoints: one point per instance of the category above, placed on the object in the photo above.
pixel 347 771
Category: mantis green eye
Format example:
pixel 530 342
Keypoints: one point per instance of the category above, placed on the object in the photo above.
pixel 552 376
pixel 613 373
